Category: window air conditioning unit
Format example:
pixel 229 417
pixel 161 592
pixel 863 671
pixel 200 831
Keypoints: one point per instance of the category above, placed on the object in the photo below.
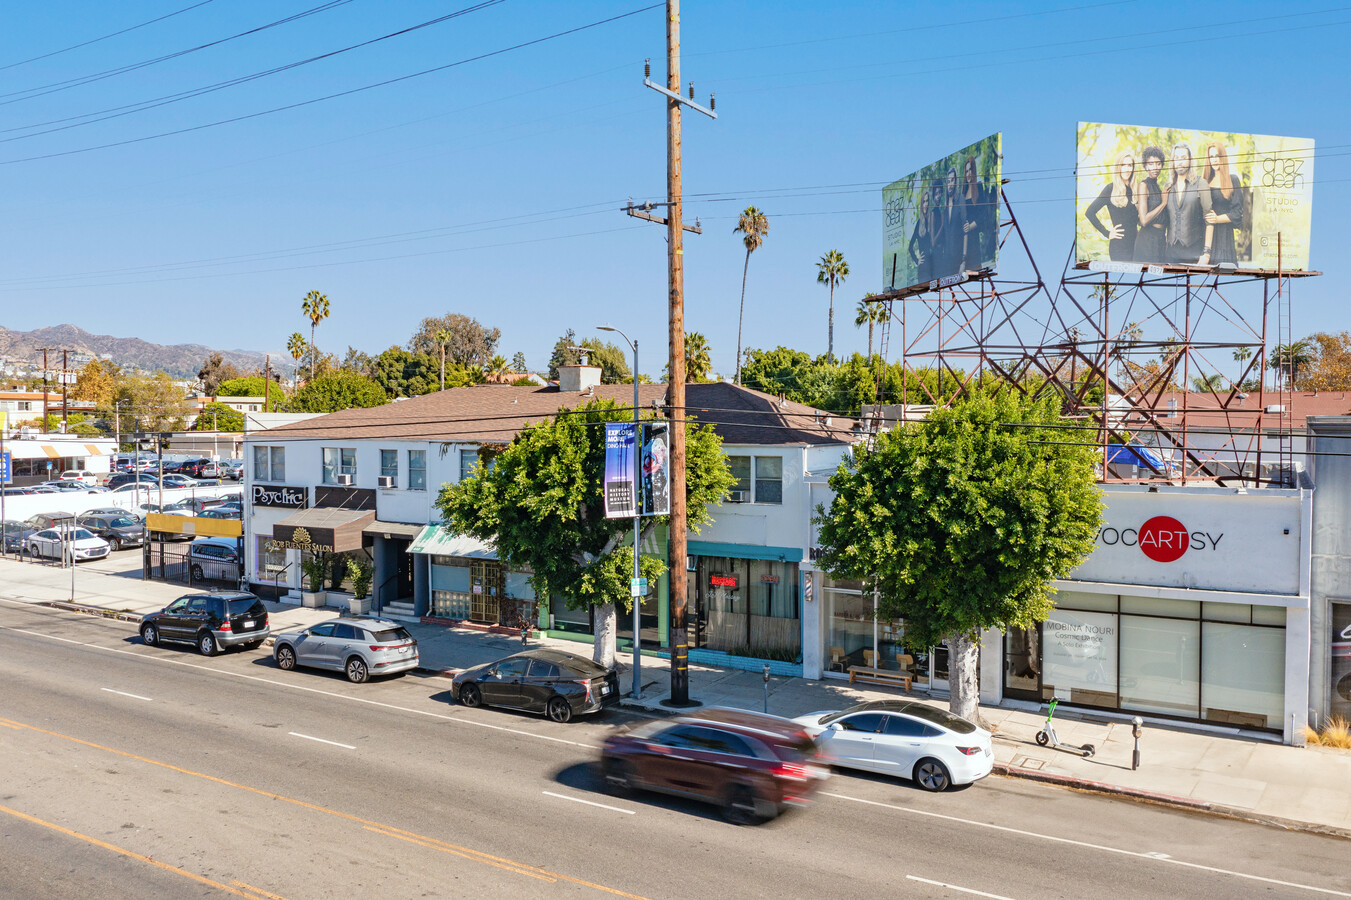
pixel 386 481
pixel 739 497
pixel 345 479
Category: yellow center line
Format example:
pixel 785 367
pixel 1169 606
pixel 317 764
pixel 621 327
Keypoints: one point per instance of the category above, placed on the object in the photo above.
pixel 435 846
pixel 200 879
pixel 258 890
pixel 468 853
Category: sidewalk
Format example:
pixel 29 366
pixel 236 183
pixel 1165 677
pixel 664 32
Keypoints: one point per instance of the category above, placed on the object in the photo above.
pixel 1242 775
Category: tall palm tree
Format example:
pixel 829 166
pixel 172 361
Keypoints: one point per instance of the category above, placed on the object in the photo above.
pixel 832 270
pixel 497 367
pixel 296 347
pixel 870 314
pixel 753 225
pixel 315 306
pixel 442 337
pixel 698 363
pixel 1293 357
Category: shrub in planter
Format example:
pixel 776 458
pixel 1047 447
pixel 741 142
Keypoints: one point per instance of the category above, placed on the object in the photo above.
pixel 315 567
pixel 362 572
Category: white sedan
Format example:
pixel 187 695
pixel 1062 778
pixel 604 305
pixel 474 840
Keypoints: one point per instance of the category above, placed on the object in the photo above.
pixel 57 542
pixel 905 738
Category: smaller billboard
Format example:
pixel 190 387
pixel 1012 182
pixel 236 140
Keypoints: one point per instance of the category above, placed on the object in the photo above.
pixel 1181 197
pixel 656 470
pixel 654 490
pixel 942 223
pixel 618 487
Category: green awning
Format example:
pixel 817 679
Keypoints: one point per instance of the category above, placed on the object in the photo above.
pixel 441 541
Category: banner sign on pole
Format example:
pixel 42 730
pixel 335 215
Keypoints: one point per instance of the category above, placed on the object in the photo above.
pixel 656 470
pixel 618 487
pixel 6 473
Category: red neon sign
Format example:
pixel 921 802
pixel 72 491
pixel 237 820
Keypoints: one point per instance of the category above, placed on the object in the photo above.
pixel 722 580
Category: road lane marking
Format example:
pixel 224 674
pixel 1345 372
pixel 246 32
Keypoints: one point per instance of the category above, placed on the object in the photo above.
pixel 1062 840
pixel 200 879
pixel 627 812
pixel 953 887
pixel 311 690
pixel 432 846
pixel 125 694
pixel 320 740
pixel 257 890
pixel 478 855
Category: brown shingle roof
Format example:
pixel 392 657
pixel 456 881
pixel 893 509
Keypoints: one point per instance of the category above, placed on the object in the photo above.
pixel 496 413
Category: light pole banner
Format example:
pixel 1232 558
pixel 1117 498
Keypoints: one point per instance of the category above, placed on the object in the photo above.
pixel 618 487
pixel 657 470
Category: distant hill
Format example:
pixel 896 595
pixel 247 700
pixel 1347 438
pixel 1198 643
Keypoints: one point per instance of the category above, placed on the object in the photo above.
pixel 179 360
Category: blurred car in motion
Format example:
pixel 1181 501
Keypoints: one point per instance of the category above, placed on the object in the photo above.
pixel 753 766
pixel 560 685
pixel 904 738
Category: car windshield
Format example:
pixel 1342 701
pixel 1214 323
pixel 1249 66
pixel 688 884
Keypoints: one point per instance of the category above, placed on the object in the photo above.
pixel 391 635
pixel 122 522
pixel 82 534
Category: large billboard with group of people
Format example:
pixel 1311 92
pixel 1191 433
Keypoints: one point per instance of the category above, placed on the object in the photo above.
pixel 943 221
pixel 1180 197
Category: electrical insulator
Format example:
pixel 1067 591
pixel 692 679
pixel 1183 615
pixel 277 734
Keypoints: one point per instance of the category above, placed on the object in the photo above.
pixel 712 102
pixel 647 68
pixel 691 90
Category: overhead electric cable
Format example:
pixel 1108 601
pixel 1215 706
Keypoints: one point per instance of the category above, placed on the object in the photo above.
pixel 24 62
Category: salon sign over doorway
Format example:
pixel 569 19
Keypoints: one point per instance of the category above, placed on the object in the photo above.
pixel 1161 538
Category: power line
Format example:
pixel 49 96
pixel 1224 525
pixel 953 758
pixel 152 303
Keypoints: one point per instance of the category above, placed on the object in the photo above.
pixel 339 94
pixel 24 62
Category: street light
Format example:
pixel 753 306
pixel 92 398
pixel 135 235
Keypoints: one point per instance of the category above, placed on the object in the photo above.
pixel 637 523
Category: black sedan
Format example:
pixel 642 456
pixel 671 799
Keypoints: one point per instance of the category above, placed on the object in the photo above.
pixel 559 685
pixel 119 530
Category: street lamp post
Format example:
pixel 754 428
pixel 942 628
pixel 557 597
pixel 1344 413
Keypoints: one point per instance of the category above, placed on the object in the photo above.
pixel 637 521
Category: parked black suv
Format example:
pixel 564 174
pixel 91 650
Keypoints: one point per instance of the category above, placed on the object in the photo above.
pixel 118 530
pixel 211 621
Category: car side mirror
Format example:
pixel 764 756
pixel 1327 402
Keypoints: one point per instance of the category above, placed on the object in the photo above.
pixel 834 726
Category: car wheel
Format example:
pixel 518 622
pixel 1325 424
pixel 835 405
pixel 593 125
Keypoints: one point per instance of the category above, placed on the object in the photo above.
pixel 559 710
pixel 932 775
pixel 357 671
pixel 618 777
pixel 206 643
pixel 114 545
pixel 150 635
pixel 196 573
pixel 470 696
pixel 739 806
pixel 286 658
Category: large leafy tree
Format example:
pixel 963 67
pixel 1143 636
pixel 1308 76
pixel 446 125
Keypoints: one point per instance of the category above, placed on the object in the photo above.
pixel 214 370
pixel 218 416
pixel 1330 369
pixel 541 505
pixel 469 342
pixel 831 270
pixel 962 521
pixel 316 309
pixel 150 403
pixel 97 382
pixel 333 391
pixel 753 225
pixel 403 374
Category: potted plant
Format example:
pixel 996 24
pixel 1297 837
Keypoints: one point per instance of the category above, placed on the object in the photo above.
pixel 314 567
pixel 362 572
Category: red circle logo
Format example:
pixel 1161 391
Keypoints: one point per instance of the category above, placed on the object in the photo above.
pixel 1163 539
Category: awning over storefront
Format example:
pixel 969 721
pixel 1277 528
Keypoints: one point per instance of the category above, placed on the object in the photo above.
pixel 323 529
pixel 393 530
pixel 441 541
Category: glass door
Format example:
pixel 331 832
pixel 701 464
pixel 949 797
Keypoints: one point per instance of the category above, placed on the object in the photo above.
pixel 1022 663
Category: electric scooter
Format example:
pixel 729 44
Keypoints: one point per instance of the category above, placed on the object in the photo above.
pixel 1047 736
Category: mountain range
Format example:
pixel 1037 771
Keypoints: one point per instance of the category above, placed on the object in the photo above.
pixel 178 360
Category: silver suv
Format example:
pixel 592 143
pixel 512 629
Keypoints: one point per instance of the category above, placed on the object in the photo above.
pixel 359 646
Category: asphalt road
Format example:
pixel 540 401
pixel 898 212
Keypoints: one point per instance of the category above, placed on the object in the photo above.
pixel 133 771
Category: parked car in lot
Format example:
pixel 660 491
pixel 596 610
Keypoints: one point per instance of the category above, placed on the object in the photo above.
pixel 360 647
pixel 214 558
pixel 904 738
pixel 73 487
pixel 113 511
pixel 178 480
pixel 57 543
pixel 118 530
pixel 12 532
pixel 191 506
pixel 754 766
pixel 224 511
pixel 557 684
pixel 39 521
pixel 81 475
pixel 211 622
pixel 118 482
pixel 232 469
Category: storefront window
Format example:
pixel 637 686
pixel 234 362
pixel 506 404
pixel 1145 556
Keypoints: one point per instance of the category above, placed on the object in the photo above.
pixel 747 606
pixel 1079 657
pixel 1341 660
pixel 1160 665
pixel 1243 675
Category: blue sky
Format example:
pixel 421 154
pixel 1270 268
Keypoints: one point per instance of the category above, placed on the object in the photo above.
pixel 493 188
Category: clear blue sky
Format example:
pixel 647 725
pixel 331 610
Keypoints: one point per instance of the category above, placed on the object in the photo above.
pixel 492 188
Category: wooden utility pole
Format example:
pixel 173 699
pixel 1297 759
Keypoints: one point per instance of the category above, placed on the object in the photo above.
pixel 680 648
pixel 44 386
pixel 65 394
pixel 267 382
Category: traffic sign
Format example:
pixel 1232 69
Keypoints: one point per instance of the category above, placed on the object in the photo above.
pixel 638 587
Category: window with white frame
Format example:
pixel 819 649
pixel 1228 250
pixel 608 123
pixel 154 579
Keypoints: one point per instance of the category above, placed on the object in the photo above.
pixel 417 470
pixel 339 461
pixel 741 471
pixel 470 458
pixel 271 563
pixel 768 479
pixel 389 466
pixel 269 463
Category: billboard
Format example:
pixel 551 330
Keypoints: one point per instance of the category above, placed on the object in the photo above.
pixel 1174 196
pixel 942 222
pixel 619 491
pixel 654 490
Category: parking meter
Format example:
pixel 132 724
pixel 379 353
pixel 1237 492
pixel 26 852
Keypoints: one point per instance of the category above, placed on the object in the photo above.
pixel 766 687
pixel 1137 728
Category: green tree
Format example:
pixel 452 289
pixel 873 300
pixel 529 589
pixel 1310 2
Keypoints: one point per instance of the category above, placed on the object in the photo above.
pixel 963 521
pixel 356 361
pixel 151 403
pixel 470 343
pixel 97 382
pixel 316 308
pixel 403 374
pixel 213 371
pixel 753 225
pixel 518 364
pixel 870 314
pixel 541 505
pixel 334 391
pixel 497 367
pixel 612 359
pixel 218 416
pixel 698 361
pixel 831 270
pixel 296 346
pixel 1292 358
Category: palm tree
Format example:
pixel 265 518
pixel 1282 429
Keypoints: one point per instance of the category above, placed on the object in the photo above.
pixel 296 347
pixel 442 337
pixel 315 306
pixel 1295 356
pixel 754 225
pixel 832 270
pixel 870 313
pixel 497 367
pixel 698 363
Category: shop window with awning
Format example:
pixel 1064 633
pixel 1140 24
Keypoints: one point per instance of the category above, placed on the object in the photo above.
pixel 322 530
